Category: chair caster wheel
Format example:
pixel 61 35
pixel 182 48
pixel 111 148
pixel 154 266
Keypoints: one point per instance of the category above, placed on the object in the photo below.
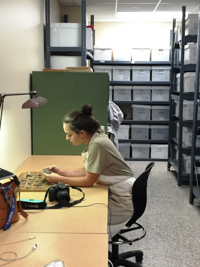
pixel 139 258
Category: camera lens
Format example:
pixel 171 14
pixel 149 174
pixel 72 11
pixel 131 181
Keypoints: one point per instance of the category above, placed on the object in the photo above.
pixel 63 195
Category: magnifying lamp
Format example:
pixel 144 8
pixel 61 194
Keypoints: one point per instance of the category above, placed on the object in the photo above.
pixel 34 102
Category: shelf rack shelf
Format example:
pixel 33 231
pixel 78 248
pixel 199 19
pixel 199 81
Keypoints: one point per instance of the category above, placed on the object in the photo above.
pixel 154 103
pixel 176 148
pixel 67 51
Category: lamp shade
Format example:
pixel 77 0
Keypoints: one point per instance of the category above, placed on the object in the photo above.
pixel 35 102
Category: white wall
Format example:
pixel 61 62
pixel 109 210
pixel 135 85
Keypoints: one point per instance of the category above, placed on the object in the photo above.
pixel 129 35
pixel 21 52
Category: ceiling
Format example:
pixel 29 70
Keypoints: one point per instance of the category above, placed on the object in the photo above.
pixel 107 10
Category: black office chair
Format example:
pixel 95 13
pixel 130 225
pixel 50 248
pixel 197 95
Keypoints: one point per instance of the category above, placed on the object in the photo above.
pixel 139 197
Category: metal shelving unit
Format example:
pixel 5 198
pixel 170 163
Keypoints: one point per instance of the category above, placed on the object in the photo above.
pixel 195 163
pixel 176 148
pixel 154 103
pixel 67 51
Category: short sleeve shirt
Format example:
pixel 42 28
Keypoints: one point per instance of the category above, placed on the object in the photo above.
pixel 104 158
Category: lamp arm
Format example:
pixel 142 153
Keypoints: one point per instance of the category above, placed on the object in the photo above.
pixel 2 96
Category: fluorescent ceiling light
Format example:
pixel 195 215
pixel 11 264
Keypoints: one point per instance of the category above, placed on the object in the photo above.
pixel 148 16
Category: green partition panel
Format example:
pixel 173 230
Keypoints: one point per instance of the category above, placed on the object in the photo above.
pixel 65 92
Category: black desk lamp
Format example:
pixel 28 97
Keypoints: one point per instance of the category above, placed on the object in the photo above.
pixel 34 102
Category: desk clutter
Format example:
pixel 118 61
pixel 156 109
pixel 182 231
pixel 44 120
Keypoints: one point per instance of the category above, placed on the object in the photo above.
pixel 33 181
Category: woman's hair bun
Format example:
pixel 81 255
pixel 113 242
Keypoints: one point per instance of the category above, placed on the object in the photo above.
pixel 87 110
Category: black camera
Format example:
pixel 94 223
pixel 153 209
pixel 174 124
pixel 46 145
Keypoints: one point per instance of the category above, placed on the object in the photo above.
pixel 59 192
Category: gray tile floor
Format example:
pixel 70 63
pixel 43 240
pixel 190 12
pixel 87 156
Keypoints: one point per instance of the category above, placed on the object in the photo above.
pixel 172 224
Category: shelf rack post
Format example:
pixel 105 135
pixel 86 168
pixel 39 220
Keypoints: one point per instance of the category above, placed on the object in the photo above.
pixel 83 36
pixel 181 98
pixel 194 192
pixel 47 33
pixel 172 84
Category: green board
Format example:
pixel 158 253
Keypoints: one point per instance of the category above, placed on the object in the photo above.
pixel 65 92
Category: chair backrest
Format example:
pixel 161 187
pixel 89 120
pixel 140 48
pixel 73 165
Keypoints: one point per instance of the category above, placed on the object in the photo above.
pixel 139 194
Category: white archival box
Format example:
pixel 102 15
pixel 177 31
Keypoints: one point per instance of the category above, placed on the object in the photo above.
pixel 141 93
pixel 140 150
pixel 191 26
pixel 123 132
pixel 140 132
pixel 121 54
pixel 187 137
pixel 161 73
pixel 160 113
pixel 160 54
pixel 69 35
pixel 124 149
pixel 61 62
pixel 188 107
pixel 122 93
pixel 159 151
pixel 141 112
pixel 140 54
pixel 141 73
pixel 121 73
pixel 190 54
pixel 159 132
pixel 104 69
pixel 160 93
pixel 102 53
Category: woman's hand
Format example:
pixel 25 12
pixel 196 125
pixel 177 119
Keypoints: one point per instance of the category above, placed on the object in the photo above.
pixel 53 169
pixel 52 178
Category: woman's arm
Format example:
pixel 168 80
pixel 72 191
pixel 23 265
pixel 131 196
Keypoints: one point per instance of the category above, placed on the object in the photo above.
pixel 67 172
pixel 84 181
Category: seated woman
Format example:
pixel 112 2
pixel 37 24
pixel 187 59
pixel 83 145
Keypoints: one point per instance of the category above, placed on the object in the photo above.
pixel 102 164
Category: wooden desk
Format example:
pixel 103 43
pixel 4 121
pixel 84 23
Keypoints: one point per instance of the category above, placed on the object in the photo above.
pixel 92 219
pixel 79 250
pixel 76 235
pixel 96 194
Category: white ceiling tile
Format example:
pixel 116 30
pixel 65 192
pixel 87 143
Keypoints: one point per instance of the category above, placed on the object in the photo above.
pixel 105 9
pixel 136 7
pixel 101 8
pixel 175 7
pixel 138 2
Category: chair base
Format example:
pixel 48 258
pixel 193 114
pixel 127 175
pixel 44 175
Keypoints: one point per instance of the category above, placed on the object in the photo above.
pixel 121 259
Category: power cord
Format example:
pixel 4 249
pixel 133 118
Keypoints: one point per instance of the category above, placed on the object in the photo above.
pixel 15 254
pixel 33 237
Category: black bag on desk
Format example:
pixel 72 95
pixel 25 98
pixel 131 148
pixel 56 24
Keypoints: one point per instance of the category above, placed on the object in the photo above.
pixel 58 192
